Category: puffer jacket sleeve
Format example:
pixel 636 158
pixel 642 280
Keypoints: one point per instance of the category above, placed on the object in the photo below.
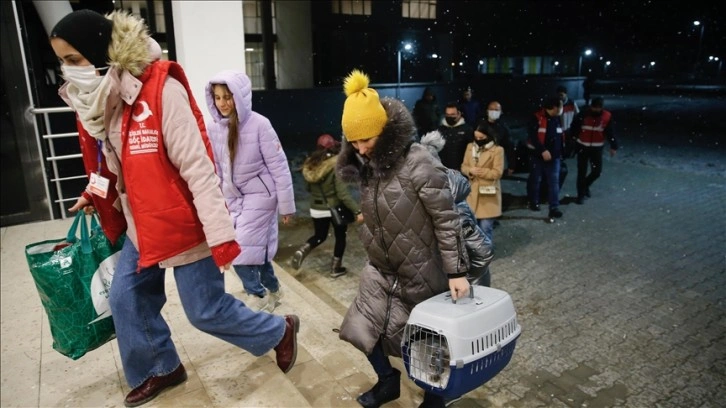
pixel 276 161
pixel 431 182
pixel 186 151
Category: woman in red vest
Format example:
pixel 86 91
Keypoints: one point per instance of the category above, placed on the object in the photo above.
pixel 149 161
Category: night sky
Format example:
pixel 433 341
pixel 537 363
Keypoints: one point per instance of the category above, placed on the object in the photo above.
pixel 661 27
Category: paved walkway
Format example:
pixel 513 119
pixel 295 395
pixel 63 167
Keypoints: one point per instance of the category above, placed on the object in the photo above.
pixel 621 302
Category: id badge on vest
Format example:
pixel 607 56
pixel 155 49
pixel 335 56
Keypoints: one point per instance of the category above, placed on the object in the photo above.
pixel 98 185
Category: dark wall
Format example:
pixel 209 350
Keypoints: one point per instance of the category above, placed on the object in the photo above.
pixel 300 115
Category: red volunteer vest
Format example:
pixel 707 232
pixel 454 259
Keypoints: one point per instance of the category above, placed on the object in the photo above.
pixel 541 116
pixel 593 129
pixel 161 203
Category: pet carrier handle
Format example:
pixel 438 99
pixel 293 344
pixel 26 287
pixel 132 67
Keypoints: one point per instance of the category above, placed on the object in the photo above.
pixel 471 294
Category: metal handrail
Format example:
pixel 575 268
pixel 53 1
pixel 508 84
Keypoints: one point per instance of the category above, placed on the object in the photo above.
pixel 50 137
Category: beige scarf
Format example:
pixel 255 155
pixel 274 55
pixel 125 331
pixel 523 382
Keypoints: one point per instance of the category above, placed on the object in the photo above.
pixel 90 106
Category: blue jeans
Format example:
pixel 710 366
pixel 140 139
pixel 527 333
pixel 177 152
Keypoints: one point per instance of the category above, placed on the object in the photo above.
pixel 255 278
pixel 551 171
pixel 144 339
pixel 487 226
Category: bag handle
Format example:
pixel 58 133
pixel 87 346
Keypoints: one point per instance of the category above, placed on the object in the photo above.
pixel 85 236
pixel 471 294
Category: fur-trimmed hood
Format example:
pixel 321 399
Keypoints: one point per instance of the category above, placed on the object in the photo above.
pixel 393 143
pixel 316 173
pixel 132 49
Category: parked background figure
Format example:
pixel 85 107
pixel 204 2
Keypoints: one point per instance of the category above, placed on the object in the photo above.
pixel 326 190
pixel 484 165
pixel 545 141
pixel 470 107
pixel 592 127
pixel 426 113
pixel 456 134
pixel 162 192
pixel 255 179
pixel 411 231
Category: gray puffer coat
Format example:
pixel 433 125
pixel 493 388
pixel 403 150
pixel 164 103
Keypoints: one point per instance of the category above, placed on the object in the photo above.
pixel 412 233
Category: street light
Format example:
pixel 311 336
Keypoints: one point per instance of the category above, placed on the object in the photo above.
pixel 579 61
pixel 700 38
pixel 720 62
pixel 407 47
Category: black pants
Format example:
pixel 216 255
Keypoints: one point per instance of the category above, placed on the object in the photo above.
pixel 592 156
pixel 321 226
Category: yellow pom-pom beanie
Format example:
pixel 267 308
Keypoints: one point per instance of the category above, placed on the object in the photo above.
pixel 363 114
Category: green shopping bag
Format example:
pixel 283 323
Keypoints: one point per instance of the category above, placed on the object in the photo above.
pixel 73 278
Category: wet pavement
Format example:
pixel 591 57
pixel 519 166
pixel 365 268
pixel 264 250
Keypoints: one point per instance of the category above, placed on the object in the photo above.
pixel 622 302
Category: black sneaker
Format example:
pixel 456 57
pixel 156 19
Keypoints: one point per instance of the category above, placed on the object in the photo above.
pixel 580 200
pixel 555 213
pixel 534 207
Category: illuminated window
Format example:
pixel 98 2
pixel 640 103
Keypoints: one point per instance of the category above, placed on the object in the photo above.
pixel 353 7
pixel 425 9
pixel 252 13
pixel 255 65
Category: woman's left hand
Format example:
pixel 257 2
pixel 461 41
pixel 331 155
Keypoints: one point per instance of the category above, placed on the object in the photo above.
pixel 459 288
pixel 286 219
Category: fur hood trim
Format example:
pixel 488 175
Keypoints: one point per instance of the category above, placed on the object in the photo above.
pixel 314 174
pixel 131 49
pixel 393 144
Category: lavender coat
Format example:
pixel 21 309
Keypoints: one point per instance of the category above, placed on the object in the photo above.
pixel 258 184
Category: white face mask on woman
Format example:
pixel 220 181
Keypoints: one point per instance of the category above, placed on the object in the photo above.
pixel 84 78
pixel 493 114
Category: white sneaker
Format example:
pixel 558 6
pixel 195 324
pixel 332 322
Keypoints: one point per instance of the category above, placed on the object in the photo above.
pixel 275 298
pixel 257 303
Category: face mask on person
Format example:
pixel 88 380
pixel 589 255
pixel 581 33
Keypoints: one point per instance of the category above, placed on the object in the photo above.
pixel 451 121
pixel 84 78
pixel 494 114
pixel 481 142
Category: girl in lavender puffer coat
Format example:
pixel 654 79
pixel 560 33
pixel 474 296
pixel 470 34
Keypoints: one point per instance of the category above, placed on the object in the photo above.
pixel 255 180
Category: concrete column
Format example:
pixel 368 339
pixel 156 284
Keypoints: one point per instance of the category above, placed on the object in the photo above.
pixel 209 38
pixel 294 44
pixel 51 12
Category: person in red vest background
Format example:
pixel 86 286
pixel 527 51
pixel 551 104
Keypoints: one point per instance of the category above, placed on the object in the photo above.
pixel 591 128
pixel 152 177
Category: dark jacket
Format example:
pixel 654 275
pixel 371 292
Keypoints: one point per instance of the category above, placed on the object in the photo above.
pixel 411 233
pixel 456 137
pixel 478 245
pixel 426 114
pixel 544 132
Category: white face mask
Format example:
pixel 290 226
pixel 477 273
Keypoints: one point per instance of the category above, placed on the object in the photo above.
pixel 494 114
pixel 84 78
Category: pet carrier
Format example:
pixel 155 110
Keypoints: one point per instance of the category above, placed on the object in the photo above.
pixel 452 348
